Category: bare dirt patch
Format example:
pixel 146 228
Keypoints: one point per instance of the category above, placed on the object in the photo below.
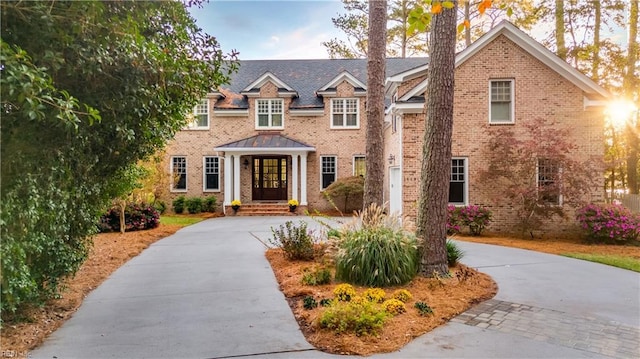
pixel 447 297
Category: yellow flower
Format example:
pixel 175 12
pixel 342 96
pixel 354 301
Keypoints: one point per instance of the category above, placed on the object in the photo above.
pixel 236 202
pixel 293 202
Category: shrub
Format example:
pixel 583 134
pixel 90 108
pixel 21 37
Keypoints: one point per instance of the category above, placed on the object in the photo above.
pixel 160 206
pixel 178 204
pixel 453 220
pixel 209 204
pixel 137 216
pixel 454 254
pixel 423 308
pixel 317 276
pixel 402 295
pixel 194 205
pixel 309 302
pixel 295 241
pixel 394 306
pixel 344 292
pixel 376 251
pixel 347 191
pixel 333 233
pixel 360 318
pixel 325 302
pixel 475 217
pixel 608 223
pixel 375 295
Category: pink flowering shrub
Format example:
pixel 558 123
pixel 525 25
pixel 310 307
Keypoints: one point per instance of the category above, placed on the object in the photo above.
pixel 475 217
pixel 609 223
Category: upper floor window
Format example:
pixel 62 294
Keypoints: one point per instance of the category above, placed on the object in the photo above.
pixel 359 166
pixel 345 113
pixel 179 171
pixel 328 171
pixel 211 174
pixel 269 114
pixel 501 108
pixel 548 181
pixel 200 119
pixel 458 181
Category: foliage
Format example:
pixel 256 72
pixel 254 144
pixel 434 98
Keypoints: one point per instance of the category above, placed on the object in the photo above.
pixel 454 254
pixel 209 204
pixel 477 218
pixel 160 206
pixel 346 190
pixel 178 204
pixel 309 302
pixel 423 308
pixel 317 276
pixel 624 262
pixel 394 306
pixel 375 250
pixel 402 295
pixel 325 302
pixel 609 223
pixel 514 170
pixel 295 241
pixel 344 292
pixel 194 205
pixel 453 220
pixel 138 216
pixel 363 318
pixel 375 295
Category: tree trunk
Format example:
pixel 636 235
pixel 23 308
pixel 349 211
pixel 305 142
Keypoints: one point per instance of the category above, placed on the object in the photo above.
pixel 467 17
pixel 373 192
pixel 630 85
pixel 595 65
pixel 436 151
pixel 405 26
pixel 561 49
pixel 123 205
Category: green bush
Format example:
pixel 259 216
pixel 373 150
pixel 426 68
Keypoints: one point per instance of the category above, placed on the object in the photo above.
pixel 326 302
pixel 295 241
pixel 160 206
pixel 423 308
pixel 209 204
pixel 454 254
pixel 137 217
pixel 178 204
pixel 317 276
pixel 361 318
pixel 194 205
pixel 309 302
pixel 376 251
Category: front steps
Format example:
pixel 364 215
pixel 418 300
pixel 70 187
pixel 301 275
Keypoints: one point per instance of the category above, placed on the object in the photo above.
pixel 263 209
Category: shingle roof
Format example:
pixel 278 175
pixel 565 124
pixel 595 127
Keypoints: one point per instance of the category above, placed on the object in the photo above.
pixel 266 141
pixel 306 76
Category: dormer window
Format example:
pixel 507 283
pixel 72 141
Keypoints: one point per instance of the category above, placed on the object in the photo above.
pixel 269 114
pixel 200 116
pixel 345 113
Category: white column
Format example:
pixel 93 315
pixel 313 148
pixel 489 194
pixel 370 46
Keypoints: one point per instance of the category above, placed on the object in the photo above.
pixel 236 177
pixel 228 186
pixel 294 176
pixel 303 179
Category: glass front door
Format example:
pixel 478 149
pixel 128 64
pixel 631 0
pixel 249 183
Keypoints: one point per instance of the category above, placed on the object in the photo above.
pixel 269 178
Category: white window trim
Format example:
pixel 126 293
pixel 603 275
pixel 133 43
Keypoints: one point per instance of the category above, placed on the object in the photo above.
pixel 466 182
pixel 336 169
pixel 344 121
pixel 559 204
pixel 204 174
pixel 354 163
pixel 186 176
pixel 512 108
pixel 193 124
pixel 270 127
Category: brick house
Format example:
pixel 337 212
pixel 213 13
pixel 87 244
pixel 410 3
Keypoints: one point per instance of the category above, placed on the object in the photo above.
pixel 286 129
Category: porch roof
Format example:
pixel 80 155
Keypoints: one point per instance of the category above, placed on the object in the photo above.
pixel 269 143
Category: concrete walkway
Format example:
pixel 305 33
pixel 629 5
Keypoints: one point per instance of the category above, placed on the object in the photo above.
pixel 208 292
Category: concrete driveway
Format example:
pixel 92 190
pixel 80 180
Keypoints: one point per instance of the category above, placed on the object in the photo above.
pixel 208 292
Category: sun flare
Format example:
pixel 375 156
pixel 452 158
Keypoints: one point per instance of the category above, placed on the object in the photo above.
pixel 620 112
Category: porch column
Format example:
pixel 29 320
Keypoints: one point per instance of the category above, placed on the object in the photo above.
pixel 236 177
pixel 303 179
pixel 228 186
pixel 294 176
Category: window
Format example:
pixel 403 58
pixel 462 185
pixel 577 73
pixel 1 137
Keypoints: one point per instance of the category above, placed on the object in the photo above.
pixel 328 171
pixel 179 171
pixel 344 113
pixel 394 123
pixel 501 109
pixel 269 114
pixel 211 174
pixel 548 184
pixel 458 181
pixel 359 166
pixel 200 115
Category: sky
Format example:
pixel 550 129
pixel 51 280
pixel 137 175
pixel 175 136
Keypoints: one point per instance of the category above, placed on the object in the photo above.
pixel 271 29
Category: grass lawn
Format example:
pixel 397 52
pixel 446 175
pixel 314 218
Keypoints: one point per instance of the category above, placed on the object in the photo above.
pixel 623 262
pixel 182 221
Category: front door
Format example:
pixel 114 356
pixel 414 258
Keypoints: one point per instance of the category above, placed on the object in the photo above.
pixel 269 178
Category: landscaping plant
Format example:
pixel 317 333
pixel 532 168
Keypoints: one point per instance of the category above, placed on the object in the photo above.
pixel 423 308
pixel 344 292
pixel 454 254
pixel 209 204
pixel 362 318
pixel 295 241
pixel 375 295
pixel 375 250
pixel 609 223
pixel 194 205
pixel 402 295
pixel 138 216
pixel 394 306
pixel 317 276
pixel 178 204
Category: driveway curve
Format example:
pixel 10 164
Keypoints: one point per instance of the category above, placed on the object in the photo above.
pixel 208 292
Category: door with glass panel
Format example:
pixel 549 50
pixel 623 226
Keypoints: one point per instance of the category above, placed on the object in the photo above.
pixel 269 178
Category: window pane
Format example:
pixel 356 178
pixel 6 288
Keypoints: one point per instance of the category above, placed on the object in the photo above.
pixel 359 166
pixel 327 180
pixel 337 119
pixel 212 176
pixel 203 120
pixel 328 168
pixel 263 120
pixel 179 173
pixel 352 119
pixel 338 106
pixel 276 106
pixel 457 181
pixel 212 182
pixel 500 112
pixel 276 120
pixel 456 192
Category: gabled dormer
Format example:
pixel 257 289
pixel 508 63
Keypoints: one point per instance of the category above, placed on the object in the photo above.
pixel 330 89
pixel 284 90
